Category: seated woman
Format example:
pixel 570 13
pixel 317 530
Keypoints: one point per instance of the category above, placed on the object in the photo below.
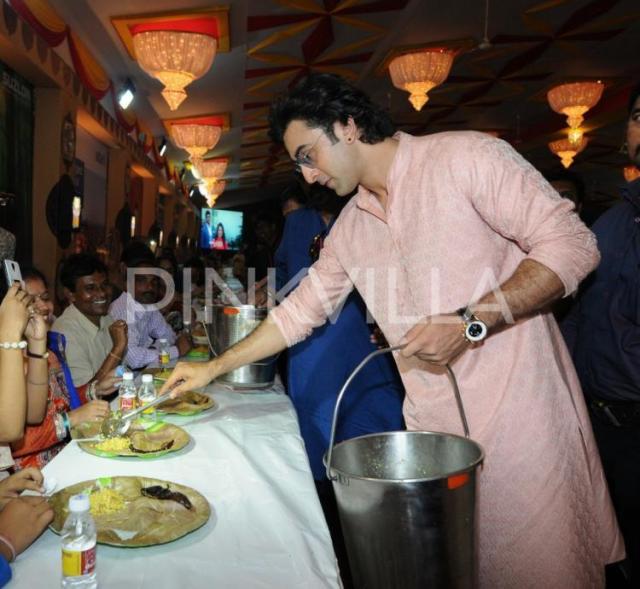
pixel 42 442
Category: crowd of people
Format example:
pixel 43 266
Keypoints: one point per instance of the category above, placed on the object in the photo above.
pixel 497 247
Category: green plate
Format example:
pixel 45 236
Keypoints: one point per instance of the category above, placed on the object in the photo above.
pixel 145 439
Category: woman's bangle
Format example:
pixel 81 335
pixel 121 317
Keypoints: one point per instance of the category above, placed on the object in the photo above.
pixel 9 545
pixel 37 384
pixel 21 345
pixel 67 425
pixel 91 390
pixel 115 356
pixel 31 354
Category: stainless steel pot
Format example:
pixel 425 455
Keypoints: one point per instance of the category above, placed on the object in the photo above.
pixel 227 325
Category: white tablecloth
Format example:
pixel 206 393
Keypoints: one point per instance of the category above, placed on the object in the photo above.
pixel 267 529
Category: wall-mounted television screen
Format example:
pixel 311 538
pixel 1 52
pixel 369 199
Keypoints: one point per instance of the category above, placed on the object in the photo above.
pixel 220 230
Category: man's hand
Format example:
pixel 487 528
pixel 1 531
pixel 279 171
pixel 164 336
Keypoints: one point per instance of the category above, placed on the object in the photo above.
pixel 438 340
pixel 14 314
pixel 107 384
pixel 183 343
pixel 23 520
pixel 118 331
pixel 189 376
pixel 91 411
pixel 11 487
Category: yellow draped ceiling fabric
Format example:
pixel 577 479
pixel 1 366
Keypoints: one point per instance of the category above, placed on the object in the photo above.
pixel 47 23
pixel 574 100
pixel 419 72
pixel 566 150
pixel 175 58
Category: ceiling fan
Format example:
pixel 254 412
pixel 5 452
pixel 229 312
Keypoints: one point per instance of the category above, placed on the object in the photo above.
pixel 486 42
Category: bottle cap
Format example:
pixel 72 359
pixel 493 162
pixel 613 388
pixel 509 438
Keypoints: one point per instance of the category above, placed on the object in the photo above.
pixel 127 376
pixel 147 378
pixel 79 503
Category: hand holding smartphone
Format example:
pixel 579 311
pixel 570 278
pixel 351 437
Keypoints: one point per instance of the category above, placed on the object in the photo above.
pixel 12 273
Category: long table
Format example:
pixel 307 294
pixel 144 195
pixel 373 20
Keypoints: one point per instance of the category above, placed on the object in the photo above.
pixel 267 529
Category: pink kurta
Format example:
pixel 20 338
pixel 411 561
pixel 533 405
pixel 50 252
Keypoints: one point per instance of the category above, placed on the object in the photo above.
pixel 463 211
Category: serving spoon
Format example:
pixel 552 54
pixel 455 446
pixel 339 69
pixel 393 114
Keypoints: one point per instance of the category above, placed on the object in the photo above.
pixel 118 425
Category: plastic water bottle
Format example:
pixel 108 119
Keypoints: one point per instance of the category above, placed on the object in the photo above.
pixel 128 393
pixel 163 345
pixel 79 546
pixel 146 394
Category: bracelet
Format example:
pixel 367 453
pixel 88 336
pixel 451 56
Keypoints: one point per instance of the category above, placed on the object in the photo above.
pixel 31 354
pixel 9 545
pixel 116 357
pixel 91 390
pixel 61 432
pixel 37 384
pixel 67 425
pixel 21 345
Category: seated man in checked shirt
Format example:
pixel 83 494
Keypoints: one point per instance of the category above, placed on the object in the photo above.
pixel 146 324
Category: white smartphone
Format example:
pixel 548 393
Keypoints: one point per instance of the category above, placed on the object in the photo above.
pixel 12 272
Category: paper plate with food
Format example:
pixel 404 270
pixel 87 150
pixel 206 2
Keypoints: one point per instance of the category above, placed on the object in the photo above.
pixel 141 441
pixel 190 403
pixel 198 353
pixel 160 374
pixel 136 511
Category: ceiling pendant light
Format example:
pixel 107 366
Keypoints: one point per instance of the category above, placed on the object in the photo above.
pixel 420 72
pixel 574 100
pixel 197 140
pixel 176 58
pixel 566 150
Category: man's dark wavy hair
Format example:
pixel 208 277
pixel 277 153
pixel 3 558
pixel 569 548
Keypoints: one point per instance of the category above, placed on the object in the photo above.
pixel 77 266
pixel 322 99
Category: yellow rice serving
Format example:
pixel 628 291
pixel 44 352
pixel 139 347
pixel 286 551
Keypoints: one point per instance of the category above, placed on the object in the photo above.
pixel 105 501
pixel 113 445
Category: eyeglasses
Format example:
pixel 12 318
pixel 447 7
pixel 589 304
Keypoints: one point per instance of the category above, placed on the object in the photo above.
pixel 303 158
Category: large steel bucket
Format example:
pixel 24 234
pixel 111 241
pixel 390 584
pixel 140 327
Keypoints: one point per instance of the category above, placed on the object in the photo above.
pixel 227 325
pixel 407 505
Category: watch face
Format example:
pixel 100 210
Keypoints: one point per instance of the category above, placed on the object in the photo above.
pixel 476 331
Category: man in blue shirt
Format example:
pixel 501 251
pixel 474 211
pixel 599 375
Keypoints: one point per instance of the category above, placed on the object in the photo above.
pixel 603 334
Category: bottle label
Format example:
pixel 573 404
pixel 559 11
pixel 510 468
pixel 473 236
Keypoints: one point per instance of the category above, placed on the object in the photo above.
pixel 127 403
pixel 76 563
pixel 164 358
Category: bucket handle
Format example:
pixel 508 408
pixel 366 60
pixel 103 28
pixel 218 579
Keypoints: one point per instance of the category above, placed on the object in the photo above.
pixel 450 374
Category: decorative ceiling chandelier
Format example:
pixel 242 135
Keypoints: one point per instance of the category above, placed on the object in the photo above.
pixel 196 139
pixel 566 150
pixel 420 72
pixel 631 173
pixel 574 100
pixel 175 58
pixel 213 168
pixel 213 188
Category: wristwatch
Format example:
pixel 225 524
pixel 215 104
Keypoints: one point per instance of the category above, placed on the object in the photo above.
pixel 475 330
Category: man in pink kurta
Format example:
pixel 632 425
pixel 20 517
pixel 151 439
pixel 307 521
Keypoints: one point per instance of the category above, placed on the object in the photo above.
pixel 463 210
pixel 454 216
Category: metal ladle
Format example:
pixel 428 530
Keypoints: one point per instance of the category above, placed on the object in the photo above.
pixel 118 425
